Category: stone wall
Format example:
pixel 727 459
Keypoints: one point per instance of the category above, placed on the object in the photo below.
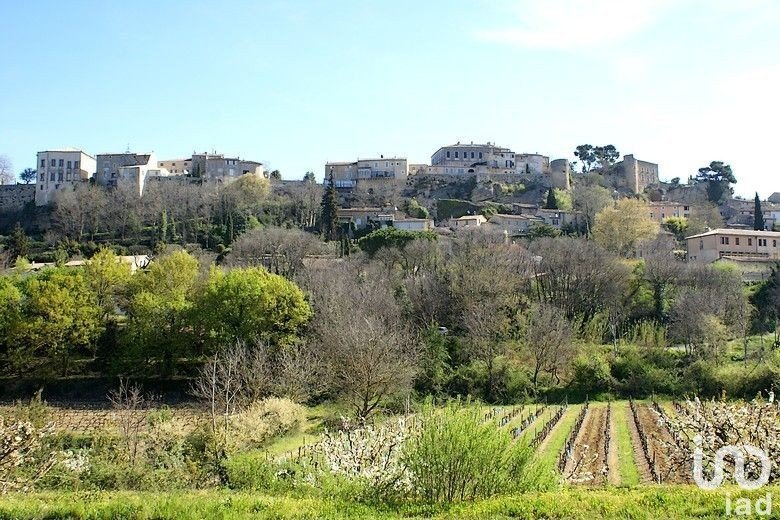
pixel 14 197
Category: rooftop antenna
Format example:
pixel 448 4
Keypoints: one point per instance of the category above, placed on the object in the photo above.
pixel 127 150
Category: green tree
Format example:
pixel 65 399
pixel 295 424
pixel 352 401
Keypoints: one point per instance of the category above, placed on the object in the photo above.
pixel 329 210
pixel 61 317
pixel 551 202
pixel 758 219
pixel 309 177
pixel 251 304
pixel 606 156
pixel 587 157
pixel 393 238
pixel 276 175
pixel 158 327
pixel 590 199
pixel 676 225
pixel 108 279
pixel 28 175
pixel 18 244
pixel 719 178
pixel 620 228
pixel 414 210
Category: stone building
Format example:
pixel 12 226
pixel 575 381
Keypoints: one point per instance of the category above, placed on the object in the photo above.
pixel 637 175
pixel 60 169
pixel 660 211
pixel 212 167
pixel 733 243
pixel 347 175
pixel 532 164
pixel 560 174
pixel 127 169
pixel 465 159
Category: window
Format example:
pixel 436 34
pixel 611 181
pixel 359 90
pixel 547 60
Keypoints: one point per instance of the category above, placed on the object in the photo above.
pixel 750 241
pixel 75 164
pixel 59 177
pixel 62 163
pixel 472 155
pixel 724 241
pixel 42 176
pixel 701 245
pixel 67 176
pixel 736 241
pixel 69 164
pixel 54 162
pixel 448 154
pixel 43 162
pixel 51 176
pixel 762 242
pixel 456 155
pixel 686 208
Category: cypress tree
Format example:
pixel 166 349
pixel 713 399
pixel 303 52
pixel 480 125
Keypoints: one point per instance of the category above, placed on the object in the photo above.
pixel 552 202
pixel 758 220
pixel 18 244
pixel 329 210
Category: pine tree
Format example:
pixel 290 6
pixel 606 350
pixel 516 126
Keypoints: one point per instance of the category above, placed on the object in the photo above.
pixel 18 244
pixel 552 202
pixel 758 221
pixel 329 210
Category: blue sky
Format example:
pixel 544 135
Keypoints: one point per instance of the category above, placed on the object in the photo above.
pixel 295 84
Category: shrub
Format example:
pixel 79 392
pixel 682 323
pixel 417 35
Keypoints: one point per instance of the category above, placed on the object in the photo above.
pixel 455 456
pixel 266 419
pixel 250 470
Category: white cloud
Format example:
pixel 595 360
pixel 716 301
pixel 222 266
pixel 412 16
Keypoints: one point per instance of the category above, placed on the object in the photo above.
pixel 573 24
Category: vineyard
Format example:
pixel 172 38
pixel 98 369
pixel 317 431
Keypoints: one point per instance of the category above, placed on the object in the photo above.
pixel 582 445
pixel 588 444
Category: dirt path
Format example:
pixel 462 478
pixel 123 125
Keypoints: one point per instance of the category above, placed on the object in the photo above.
pixel 588 464
pixel 661 442
pixel 645 475
pixel 612 455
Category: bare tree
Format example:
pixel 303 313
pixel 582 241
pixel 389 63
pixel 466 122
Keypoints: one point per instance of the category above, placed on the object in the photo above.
pixel 299 373
pixel 369 353
pixel 547 338
pixel 578 277
pixel 279 250
pixel 129 405
pixel 6 170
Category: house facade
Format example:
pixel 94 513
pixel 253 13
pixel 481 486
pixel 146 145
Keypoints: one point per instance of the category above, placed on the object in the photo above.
pixel 128 169
pixel 733 243
pixel 637 175
pixel 468 221
pixel 347 175
pixel 660 211
pixel 413 224
pixel 61 169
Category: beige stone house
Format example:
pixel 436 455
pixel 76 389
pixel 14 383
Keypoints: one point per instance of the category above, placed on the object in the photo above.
pixel 467 221
pixel 660 211
pixel 733 243
pixel 61 169
pixel 384 170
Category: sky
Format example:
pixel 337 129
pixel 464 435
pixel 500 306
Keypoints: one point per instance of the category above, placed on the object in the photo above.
pixel 295 84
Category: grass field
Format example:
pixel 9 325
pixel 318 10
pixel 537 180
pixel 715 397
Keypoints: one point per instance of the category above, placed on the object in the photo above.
pixel 648 502
pixel 629 475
